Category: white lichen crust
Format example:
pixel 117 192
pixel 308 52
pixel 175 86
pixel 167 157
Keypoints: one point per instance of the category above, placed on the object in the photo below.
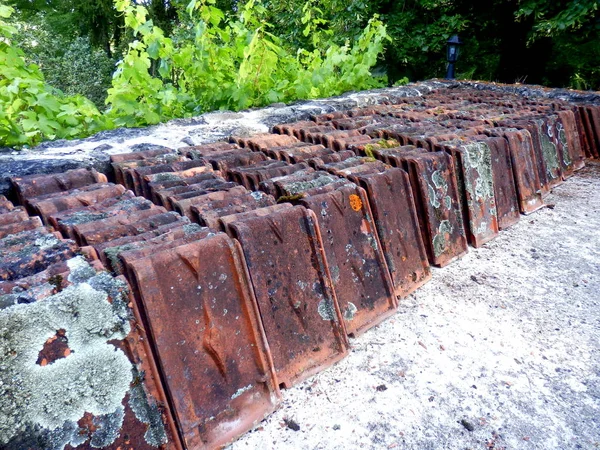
pixel 93 378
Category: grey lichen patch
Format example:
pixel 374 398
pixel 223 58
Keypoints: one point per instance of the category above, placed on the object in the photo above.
pixel 439 240
pixel 562 137
pixel 41 438
pixel 448 202
pixel 350 311
pixel 46 242
pixel 299 187
pixel 166 176
pixel 79 270
pixel 94 378
pixel 108 428
pixel 84 217
pixel 146 412
pixel 326 309
pixel 478 157
pixel 258 195
pixel 191 228
pixel 112 253
pixel 549 153
pixel 433 199
pixel 439 180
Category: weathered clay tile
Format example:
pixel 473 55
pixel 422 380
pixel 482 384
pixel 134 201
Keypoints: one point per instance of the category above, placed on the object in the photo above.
pixel 199 151
pixel 32 186
pixel 27 257
pixel 359 272
pixel 202 318
pixel 16 215
pixel 505 191
pixel 75 199
pixel 438 206
pixel 208 213
pixel 182 203
pixel 116 227
pixel 138 156
pixel 395 216
pixel 474 175
pixel 524 166
pixel 293 288
pixel 31 223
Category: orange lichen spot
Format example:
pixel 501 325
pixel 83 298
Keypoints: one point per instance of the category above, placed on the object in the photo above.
pixel 355 202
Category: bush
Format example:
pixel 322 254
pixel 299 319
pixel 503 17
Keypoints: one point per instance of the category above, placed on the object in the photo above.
pixel 30 109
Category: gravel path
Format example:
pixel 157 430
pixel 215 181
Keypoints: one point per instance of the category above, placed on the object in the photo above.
pixel 501 350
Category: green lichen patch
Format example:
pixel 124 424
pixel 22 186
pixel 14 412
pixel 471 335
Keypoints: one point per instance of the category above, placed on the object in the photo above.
pixel 94 378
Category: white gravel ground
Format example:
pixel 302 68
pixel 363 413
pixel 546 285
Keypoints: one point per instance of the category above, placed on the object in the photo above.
pixel 501 350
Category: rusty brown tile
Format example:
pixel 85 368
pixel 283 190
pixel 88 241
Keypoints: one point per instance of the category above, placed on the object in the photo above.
pixel 114 257
pixel 299 311
pixel 525 172
pixel 316 131
pixel 327 117
pixel 252 176
pixel 158 186
pixel 138 156
pixel 199 151
pixel 359 272
pixel 264 141
pixel 593 123
pixel 16 227
pixel 117 342
pixel 5 205
pixel 116 227
pixel 334 157
pixel 199 185
pixel 64 221
pixel 32 186
pixel 121 169
pixel 569 144
pixel 226 161
pixel 395 216
pixel 474 175
pixel 588 143
pixel 28 256
pixel 75 199
pixel 235 387
pixel 270 187
pixel 180 226
pixel 505 191
pixel 208 214
pixel 355 122
pixel 438 206
pixel 301 153
pixel 182 203
pixel 291 128
pixel 372 166
pixel 292 186
pixel 140 176
pixel 17 214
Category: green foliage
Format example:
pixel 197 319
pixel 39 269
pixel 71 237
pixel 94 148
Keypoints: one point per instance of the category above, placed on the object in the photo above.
pixel 554 18
pixel 31 110
pixel 232 61
pixel 69 63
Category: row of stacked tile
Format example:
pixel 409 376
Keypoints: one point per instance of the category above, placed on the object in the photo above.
pixel 235 269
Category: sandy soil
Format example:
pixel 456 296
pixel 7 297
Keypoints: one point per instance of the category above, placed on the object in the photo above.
pixel 501 350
